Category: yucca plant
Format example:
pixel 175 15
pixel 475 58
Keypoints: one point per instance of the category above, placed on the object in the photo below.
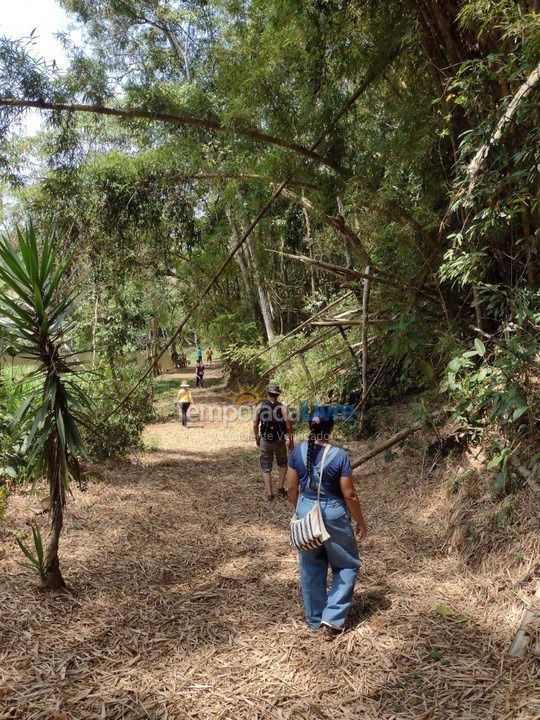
pixel 35 312
pixel 36 560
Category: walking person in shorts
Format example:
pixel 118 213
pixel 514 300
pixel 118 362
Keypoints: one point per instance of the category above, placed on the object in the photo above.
pixel 273 432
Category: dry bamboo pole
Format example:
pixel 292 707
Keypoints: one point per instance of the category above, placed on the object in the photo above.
pixel 349 347
pixel 345 314
pixel 349 273
pixel 308 375
pixel 337 352
pixel 333 371
pixel 304 348
pixel 348 323
pixel 338 270
pixel 521 640
pixel 401 435
pixel 336 323
pixel 302 325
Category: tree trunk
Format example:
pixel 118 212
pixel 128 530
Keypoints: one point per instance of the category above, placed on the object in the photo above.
pixel 52 577
pixel 240 255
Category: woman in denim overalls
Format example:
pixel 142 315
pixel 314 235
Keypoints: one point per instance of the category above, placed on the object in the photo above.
pixel 327 609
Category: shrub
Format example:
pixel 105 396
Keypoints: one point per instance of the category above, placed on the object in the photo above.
pixel 122 432
pixel 15 461
pixel 242 369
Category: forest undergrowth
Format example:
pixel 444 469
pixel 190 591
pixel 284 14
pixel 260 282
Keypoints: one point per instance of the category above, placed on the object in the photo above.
pixel 184 599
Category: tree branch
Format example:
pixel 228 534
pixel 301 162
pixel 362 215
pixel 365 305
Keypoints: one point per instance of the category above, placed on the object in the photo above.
pixel 134 114
pixel 231 175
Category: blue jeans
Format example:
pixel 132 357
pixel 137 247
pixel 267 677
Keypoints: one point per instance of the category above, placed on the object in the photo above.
pixel 340 553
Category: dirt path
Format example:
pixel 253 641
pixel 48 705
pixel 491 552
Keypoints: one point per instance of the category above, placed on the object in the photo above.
pixel 185 600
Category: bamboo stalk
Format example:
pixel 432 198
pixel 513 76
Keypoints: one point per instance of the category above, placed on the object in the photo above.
pixel 479 159
pixel 365 309
pixel 366 394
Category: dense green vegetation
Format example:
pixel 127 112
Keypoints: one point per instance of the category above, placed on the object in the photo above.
pixel 178 120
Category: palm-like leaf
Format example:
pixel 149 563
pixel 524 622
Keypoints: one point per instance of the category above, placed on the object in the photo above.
pixel 35 316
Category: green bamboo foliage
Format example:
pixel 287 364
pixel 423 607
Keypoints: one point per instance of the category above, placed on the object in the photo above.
pixel 35 312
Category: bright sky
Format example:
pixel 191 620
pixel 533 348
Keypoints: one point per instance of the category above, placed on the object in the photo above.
pixel 19 17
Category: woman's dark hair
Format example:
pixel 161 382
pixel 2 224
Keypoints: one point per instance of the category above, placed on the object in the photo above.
pixel 321 424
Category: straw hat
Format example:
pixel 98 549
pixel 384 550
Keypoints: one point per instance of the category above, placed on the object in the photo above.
pixel 184 384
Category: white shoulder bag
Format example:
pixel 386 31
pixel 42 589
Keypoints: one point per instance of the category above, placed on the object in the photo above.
pixel 310 533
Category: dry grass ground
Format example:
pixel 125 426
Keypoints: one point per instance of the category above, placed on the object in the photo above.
pixel 185 599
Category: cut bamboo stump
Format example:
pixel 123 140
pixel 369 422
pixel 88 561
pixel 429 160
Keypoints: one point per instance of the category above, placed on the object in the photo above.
pixel 521 640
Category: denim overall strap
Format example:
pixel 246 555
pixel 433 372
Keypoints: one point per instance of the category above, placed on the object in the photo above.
pixel 303 453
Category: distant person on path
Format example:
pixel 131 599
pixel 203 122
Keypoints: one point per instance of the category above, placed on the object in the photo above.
pixel 326 609
pixel 199 353
pixel 273 430
pixel 183 401
pixel 209 355
pixel 199 373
